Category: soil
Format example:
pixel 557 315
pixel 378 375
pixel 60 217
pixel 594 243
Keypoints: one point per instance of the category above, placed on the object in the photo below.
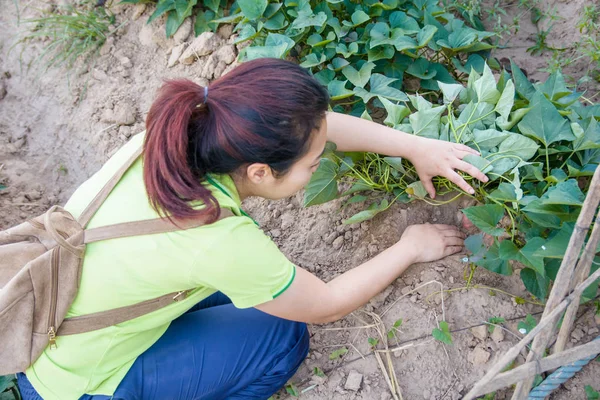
pixel 57 128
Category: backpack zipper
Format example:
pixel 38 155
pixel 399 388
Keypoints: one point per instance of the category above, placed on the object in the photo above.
pixel 53 298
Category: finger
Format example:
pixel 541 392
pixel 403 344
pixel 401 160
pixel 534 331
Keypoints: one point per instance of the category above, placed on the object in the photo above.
pixel 445 226
pixel 460 182
pixel 454 233
pixel 466 148
pixel 448 251
pixel 428 185
pixel 453 241
pixel 471 170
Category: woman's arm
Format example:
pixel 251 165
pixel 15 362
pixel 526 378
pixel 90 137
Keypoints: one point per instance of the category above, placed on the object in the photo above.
pixel 430 157
pixel 309 299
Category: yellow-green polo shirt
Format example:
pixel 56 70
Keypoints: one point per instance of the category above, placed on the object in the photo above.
pixel 232 256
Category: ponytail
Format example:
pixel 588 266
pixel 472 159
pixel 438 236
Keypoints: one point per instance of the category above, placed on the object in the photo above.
pixel 170 181
pixel 264 111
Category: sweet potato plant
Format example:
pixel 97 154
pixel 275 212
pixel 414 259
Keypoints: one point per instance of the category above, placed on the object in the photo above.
pixel 539 145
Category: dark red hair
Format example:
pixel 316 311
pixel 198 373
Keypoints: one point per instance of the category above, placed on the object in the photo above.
pixel 263 111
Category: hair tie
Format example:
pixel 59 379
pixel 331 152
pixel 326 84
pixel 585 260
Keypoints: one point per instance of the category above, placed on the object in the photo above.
pixel 205 94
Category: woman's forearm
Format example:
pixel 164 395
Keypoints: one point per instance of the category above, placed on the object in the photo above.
pixel 357 286
pixel 356 134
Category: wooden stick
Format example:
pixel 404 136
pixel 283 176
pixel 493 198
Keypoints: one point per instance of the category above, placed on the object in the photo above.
pixel 533 368
pixel 582 270
pixel 511 354
pixel 562 283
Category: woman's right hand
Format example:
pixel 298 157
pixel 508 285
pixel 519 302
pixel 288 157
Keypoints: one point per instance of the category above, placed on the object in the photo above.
pixel 427 242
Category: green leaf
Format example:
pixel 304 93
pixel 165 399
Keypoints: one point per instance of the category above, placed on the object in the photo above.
pixel 587 134
pixel 526 255
pixel 485 87
pixel 425 35
pixel 416 190
pixel 367 214
pixel 396 163
pixel 591 393
pixel 323 184
pixel 337 90
pixel 535 283
pixel 481 163
pixel 564 193
pixel 202 21
pixel 399 19
pixel 395 112
pixel 373 342
pixel 359 17
pixel 359 78
pixel 451 91
pixel 522 84
pixel 458 40
pixel 292 390
pixel 312 60
pixel 526 325
pixel 544 122
pixel 307 18
pixel 212 5
pixel 380 86
pixel 505 193
pixel 398 323
pixel 162 7
pixel 318 372
pixel 421 69
pixel 381 53
pixel 426 122
pixel 338 353
pixel 486 218
pixel 7 381
pixel 506 101
pixel 253 9
pixel 493 262
pixel 443 334
pixel 489 138
pixel 359 186
pixel 556 246
pixel 555 88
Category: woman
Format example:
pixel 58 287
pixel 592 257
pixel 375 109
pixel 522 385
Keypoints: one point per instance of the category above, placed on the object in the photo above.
pixel 241 332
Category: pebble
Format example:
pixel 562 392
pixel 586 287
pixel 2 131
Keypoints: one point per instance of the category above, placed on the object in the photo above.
pixel 183 32
pixel 33 195
pixel 577 334
pixel 478 356
pixel 480 332
pixel 138 10
pixel 330 238
pixel 406 290
pixel 426 394
pixel 338 243
pixel 124 114
pixel 498 335
pixel 353 381
pixel 348 235
pixel 385 396
pixel 176 52
pixel 203 45
pixel 276 233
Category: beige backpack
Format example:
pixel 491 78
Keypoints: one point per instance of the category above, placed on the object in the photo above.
pixel 40 269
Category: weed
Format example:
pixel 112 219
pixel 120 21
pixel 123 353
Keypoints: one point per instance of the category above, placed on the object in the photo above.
pixel 338 353
pixel 495 321
pixel 591 394
pixel 292 390
pixel 442 334
pixel 318 372
pixel 73 34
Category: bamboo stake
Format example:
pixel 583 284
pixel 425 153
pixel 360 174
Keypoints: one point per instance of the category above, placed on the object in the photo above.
pixel 531 369
pixel 511 354
pixel 562 283
pixel 581 272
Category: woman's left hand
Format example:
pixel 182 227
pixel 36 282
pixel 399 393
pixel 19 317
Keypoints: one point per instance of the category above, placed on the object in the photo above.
pixel 439 158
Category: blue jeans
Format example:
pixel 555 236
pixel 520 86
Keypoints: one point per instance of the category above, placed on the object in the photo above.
pixel 214 351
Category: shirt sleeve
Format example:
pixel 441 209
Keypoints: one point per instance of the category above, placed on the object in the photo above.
pixel 246 265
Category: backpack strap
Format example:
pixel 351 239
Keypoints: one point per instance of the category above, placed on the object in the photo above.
pixel 97 201
pixel 104 319
pixel 147 227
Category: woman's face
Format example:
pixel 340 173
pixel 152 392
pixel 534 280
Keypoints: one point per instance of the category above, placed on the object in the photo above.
pixel 262 182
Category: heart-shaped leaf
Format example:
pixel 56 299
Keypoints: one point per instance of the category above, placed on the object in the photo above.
pixel 323 185
pixel 486 218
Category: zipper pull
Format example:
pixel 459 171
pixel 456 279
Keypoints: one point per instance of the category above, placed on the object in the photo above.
pixel 52 338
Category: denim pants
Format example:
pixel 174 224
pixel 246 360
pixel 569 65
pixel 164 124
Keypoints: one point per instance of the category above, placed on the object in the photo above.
pixel 214 351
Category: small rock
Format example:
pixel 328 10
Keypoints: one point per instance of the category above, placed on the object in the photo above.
pixel 330 238
pixel 138 10
pixel 348 235
pixel 373 249
pixel 497 335
pixel 426 394
pixel 203 45
pixel 593 331
pixel 353 381
pixel 176 52
pixel 577 334
pixel 99 75
pixel 406 290
pixel 126 62
pixel 287 221
pixel 451 279
pixel 379 299
pixel 338 242
pixel 478 356
pixel 2 89
pixel 124 114
pixel 413 298
pixel 480 332
pixel 183 32
pixel 217 62
pixel 33 195
pixel 107 46
pixel 385 396
pixel 317 355
pixel 153 34
pixel 225 31
pixel 276 233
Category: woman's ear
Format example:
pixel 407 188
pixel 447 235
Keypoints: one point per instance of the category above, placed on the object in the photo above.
pixel 258 173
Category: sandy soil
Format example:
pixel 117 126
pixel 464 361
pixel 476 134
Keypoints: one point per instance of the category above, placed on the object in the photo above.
pixel 56 130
